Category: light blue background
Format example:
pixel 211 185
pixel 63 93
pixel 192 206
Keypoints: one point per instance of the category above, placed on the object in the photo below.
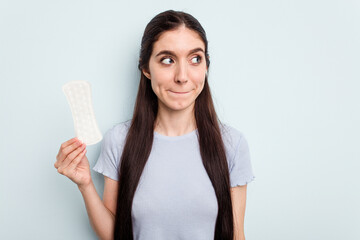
pixel 285 73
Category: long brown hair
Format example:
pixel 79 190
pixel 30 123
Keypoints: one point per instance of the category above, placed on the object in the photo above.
pixel 139 139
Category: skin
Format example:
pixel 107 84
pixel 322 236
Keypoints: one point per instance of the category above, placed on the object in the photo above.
pixel 177 79
pixel 238 198
pixel 72 162
pixel 181 71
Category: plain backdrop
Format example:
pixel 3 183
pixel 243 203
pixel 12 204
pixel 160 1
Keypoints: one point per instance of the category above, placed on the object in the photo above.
pixel 285 73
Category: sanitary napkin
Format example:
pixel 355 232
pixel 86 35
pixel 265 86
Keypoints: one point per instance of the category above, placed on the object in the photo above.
pixel 78 94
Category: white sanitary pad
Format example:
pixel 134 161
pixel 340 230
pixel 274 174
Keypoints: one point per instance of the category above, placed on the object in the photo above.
pixel 78 94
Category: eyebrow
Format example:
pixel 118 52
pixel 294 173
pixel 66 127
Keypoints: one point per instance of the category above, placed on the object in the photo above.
pixel 168 52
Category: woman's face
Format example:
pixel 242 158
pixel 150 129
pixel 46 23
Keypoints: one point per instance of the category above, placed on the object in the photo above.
pixel 177 68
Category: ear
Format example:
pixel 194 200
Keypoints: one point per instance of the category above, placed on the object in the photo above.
pixel 146 74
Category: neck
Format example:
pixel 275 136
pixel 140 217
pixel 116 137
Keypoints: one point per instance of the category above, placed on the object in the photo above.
pixel 175 123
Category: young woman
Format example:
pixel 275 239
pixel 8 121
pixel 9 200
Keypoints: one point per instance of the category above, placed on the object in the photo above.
pixel 173 171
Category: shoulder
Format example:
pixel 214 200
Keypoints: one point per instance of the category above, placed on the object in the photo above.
pixel 117 133
pixel 234 140
pixel 231 136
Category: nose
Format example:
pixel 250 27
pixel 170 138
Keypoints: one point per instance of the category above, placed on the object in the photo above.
pixel 181 73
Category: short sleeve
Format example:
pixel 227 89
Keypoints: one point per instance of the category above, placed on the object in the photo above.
pixel 241 172
pixel 109 158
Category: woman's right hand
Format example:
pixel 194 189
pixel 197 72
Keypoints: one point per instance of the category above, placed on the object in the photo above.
pixel 72 162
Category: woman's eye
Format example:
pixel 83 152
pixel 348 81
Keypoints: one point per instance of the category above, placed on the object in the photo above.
pixel 166 60
pixel 196 61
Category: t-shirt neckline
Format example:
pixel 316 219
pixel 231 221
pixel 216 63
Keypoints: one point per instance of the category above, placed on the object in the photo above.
pixel 187 135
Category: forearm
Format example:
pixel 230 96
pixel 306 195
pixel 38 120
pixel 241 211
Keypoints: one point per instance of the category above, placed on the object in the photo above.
pixel 101 219
pixel 239 236
pixel 239 231
pixel 239 216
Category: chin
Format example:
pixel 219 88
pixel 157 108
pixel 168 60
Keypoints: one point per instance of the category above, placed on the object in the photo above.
pixel 180 106
pixel 177 104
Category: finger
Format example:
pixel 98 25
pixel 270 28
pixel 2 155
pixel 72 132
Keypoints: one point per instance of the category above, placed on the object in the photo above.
pixel 64 170
pixel 69 149
pixel 73 155
pixel 66 144
pixel 69 142
pixel 73 164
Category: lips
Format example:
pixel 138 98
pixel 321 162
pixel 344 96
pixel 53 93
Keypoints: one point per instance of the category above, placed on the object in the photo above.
pixel 179 92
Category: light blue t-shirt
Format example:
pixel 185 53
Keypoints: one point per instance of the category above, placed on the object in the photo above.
pixel 175 198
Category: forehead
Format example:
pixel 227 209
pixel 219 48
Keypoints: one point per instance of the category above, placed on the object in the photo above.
pixel 180 40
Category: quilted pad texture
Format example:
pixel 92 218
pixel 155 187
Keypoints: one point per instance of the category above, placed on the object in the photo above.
pixel 78 94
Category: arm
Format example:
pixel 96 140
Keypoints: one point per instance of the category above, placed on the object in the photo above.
pixel 238 199
pixel 101 214
pixel 72 162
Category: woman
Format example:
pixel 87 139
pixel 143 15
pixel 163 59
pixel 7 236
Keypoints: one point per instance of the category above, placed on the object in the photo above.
pixel 173 171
